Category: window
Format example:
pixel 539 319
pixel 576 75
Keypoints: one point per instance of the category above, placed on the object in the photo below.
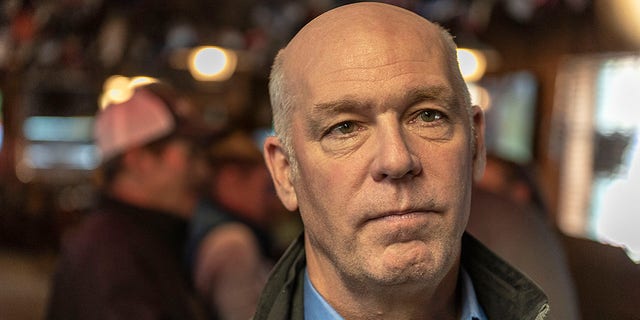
pixel 596 137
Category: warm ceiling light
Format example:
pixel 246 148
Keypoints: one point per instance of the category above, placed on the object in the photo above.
pixel 473 64
pixel 118 89
pixel 212 63
pixel 115 90
pixel 623 16
pixel 141 81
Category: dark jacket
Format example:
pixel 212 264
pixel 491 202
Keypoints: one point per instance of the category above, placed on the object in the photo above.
pixel 503 292
pixel 123 262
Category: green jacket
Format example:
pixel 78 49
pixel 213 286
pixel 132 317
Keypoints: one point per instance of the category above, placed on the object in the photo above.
pixel 502 291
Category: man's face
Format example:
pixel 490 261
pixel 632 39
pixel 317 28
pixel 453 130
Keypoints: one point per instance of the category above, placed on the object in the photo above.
pixel 384 150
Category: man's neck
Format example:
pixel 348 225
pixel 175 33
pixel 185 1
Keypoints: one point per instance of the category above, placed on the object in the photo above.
pixel 414 300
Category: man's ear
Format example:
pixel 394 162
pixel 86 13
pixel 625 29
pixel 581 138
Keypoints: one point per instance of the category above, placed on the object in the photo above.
pixel 479 155
pixel 280 169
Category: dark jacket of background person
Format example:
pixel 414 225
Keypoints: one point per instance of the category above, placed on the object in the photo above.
pixel 123 264
pixel 503 292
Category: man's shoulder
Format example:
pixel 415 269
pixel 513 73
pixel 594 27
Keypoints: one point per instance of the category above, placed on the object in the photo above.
pixel 281 297
pixel 100 223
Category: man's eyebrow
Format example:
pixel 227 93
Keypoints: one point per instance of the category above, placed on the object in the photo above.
pixel 340 106
pixel 439 94
pixel 321 112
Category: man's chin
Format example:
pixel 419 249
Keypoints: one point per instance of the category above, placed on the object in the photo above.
pixel 407 261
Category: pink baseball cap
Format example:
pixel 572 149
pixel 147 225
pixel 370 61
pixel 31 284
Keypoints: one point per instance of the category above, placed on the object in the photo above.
pixel 144 118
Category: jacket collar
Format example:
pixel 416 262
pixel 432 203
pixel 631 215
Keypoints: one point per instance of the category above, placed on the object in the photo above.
pixel 503 292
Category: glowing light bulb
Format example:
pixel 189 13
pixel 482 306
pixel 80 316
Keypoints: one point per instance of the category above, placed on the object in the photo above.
pixel 472 63
pixel 212 63
pixel 118 89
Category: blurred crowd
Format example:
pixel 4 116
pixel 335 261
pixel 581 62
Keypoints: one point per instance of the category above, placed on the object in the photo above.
pixel 185 222
pixel 188 223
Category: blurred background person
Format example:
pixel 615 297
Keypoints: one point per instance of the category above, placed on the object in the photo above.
pixel 230 249
pixel 514 181
pixel 124 261
pixel 510 215
pixel 506 219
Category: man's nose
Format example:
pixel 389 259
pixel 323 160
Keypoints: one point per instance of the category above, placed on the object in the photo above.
pixel 394 159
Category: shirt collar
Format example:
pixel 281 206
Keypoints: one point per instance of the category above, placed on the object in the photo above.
pixel 317 308
pixel 471 309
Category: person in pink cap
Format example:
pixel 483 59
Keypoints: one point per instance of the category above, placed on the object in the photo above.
pixel 125 259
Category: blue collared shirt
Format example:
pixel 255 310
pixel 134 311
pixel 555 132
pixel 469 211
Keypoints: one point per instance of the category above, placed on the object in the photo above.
pixel 317 308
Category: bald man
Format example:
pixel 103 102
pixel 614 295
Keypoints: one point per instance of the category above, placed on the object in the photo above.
pixel 377 146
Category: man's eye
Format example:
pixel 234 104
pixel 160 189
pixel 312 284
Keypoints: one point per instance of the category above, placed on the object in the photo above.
pixel 431 115
pixel 344 128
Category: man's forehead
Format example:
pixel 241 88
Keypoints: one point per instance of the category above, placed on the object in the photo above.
pixel 442 94
pixel 363 43
pixel 372 17
pixel 356 30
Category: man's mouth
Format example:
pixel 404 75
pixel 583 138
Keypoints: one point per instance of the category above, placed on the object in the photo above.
pixel 401 215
